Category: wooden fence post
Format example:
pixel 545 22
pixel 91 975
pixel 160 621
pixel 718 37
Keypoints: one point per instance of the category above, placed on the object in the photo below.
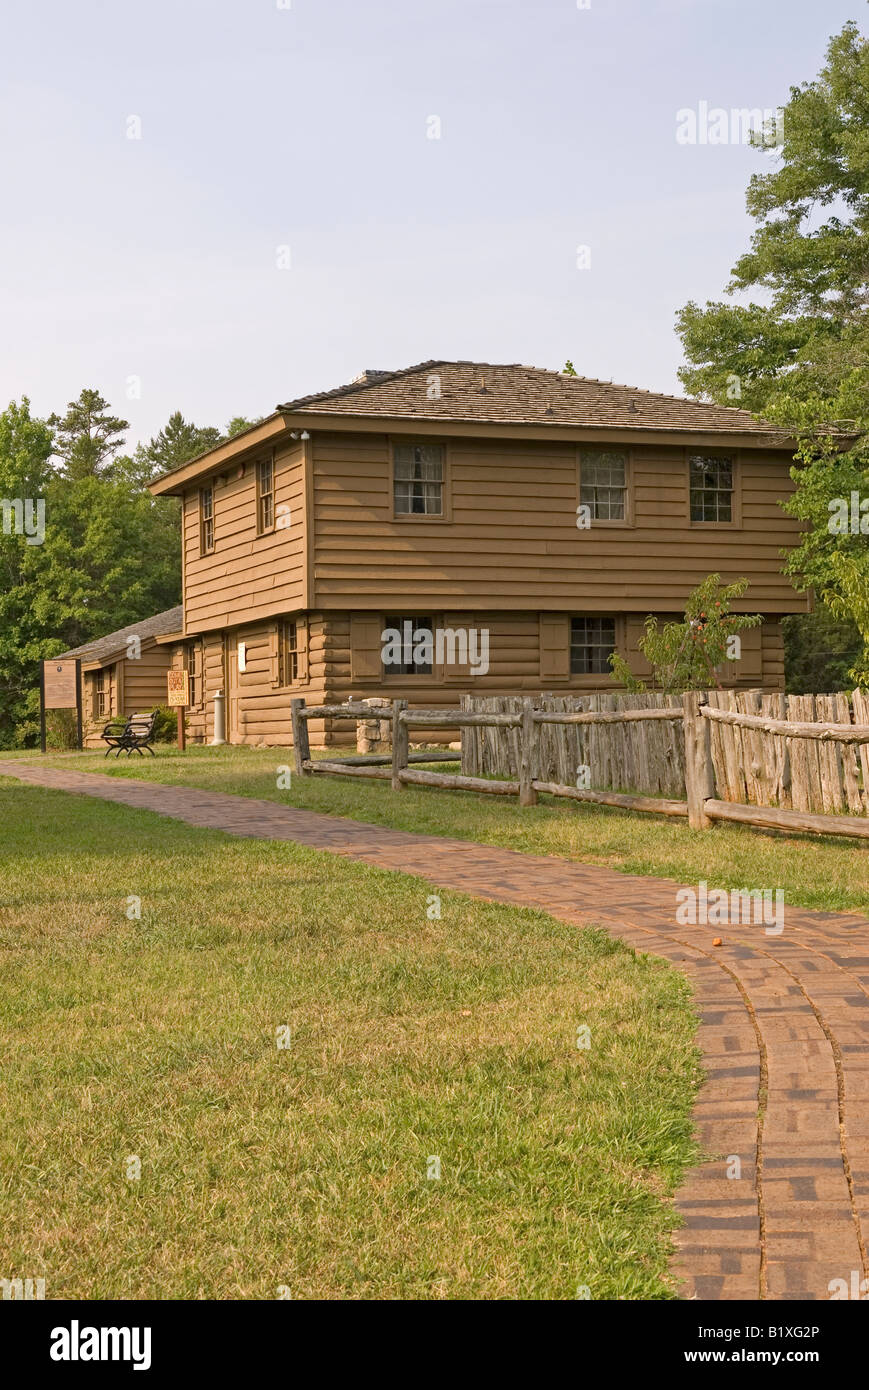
pixel 400 743
pixel 527 755
pixel 699 774
pixel 301 740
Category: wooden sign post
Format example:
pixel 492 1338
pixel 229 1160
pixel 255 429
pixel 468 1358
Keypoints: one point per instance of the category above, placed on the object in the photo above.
pixel 59 688
pixel 178 694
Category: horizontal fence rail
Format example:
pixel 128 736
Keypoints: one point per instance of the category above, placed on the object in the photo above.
pixel 625 716
pixel 717 752
pixel 789 728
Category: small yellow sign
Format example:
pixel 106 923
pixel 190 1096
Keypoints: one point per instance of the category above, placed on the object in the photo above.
pixel 60 684
pixel 178 688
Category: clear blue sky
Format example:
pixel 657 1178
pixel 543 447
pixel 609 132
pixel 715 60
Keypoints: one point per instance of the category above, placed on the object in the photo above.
pixel 306 127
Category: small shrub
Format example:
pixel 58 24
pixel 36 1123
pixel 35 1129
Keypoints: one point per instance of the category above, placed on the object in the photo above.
pixel 166 724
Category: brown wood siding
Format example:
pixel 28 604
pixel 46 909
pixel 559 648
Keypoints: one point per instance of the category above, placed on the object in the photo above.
pixel 773 647
pixel 512 540
pixel 263 712
pixel 144 680
pixel 517 662
pixel 133 686
pixel 200 717
pixel 528 653
pixel 246 576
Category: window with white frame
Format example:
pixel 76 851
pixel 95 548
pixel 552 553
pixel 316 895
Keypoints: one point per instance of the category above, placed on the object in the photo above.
pixel 418 480
pixel 289 653
pixel 711 487
pixel 206 519
pixel 603 483
pixel 265 495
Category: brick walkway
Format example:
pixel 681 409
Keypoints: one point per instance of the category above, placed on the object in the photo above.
pixel 784 1032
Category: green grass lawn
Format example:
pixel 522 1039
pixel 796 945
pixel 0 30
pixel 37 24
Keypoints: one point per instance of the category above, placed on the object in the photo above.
pixel 829 872
pixel 155 1038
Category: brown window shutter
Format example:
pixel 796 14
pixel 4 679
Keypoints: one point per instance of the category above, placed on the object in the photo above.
pixel 749 667
pixel 274 654
pixel 634 629
pixel 461 622
pixel 365 647
pixel 302 648
pixel 554 646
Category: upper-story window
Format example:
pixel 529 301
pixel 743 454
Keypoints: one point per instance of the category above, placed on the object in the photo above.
pixel 592 642
pixel 603 483
pixel 711 485
pixel 206 519
pixel 265 495
pixel 418 480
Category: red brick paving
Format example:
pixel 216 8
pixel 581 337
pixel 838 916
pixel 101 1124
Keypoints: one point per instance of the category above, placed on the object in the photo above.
pixel 784 1032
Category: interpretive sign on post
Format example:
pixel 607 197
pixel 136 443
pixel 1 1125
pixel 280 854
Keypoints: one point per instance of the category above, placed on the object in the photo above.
pixel 59 688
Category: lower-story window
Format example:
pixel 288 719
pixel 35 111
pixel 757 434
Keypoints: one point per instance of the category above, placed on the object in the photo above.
pixel 592 643
pixel 407 639
pixel 289 672
pixel 102 694
pixel 194 672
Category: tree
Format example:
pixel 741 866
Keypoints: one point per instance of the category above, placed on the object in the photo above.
pixel 110 552
pixel 821 651
pixel 239 423
pixel 25 451
pixel 687 655
pixel 178 442
pixel 87 438
pixel 108 555
pixel 802 357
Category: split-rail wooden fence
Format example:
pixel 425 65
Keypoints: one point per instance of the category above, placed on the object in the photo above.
pixel 718 754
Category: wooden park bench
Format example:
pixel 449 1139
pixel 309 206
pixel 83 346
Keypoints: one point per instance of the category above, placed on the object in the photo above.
pixel 131 735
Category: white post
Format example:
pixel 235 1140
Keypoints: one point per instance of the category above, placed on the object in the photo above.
pixel 219 719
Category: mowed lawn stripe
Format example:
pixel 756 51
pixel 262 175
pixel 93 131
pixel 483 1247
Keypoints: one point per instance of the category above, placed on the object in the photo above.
pixel 823 872
pixel 417 1044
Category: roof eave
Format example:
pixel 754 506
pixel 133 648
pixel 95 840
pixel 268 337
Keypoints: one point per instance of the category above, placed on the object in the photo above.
pixel 176 482
pixel 763 437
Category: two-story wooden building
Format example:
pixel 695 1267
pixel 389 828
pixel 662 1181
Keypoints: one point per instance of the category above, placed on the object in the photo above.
pixel 550 512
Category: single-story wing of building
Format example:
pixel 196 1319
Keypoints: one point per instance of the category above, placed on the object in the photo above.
pixel 125 671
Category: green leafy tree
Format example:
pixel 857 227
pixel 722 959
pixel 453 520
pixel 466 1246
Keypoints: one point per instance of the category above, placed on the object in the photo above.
pixel 687 655
pixel 107 556
pixel 25 474
pixel 821 652
pixel 239 423
pixel 801 357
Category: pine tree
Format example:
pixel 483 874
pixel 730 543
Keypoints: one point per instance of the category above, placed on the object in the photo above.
pixel 801 358
pixel 87 438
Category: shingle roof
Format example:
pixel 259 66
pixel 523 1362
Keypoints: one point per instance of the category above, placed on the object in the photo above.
pixel 115 643
pixel 490 393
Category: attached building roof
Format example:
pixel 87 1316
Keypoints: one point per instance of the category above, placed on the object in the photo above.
pixel 114 644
